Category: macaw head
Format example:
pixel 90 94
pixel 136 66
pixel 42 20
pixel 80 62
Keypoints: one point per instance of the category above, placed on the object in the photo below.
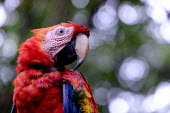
pixel 58 45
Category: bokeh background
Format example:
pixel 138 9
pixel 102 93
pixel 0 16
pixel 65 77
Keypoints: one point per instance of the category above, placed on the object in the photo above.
pixel 128 64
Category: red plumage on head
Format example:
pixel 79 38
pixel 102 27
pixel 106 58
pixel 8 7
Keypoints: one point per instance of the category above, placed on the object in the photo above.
pixel 80 29
pixel 31 52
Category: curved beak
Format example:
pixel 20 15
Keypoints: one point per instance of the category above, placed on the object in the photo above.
pixel 82 48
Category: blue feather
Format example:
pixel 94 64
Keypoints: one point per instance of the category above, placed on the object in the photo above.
pixel 13 109
pixel 69 104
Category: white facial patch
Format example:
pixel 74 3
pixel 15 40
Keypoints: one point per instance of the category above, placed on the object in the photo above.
pixel 56 39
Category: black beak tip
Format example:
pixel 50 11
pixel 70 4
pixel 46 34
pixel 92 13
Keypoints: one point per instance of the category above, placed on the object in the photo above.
pixel 79 62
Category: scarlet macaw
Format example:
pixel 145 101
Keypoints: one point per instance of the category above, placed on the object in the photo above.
pixel 43 83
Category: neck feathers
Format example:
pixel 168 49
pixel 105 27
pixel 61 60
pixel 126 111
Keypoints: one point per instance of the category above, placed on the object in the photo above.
pixel 31 54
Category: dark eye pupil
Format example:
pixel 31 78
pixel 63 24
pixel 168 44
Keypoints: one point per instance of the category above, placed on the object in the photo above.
pixel 60 31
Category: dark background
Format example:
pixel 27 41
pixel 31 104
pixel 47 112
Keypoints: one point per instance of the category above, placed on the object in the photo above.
pixel 128 65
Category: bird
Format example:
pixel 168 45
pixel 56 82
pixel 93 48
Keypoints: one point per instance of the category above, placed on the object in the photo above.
pixel 43 83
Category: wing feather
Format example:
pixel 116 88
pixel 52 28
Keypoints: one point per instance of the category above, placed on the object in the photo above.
pixel 69 104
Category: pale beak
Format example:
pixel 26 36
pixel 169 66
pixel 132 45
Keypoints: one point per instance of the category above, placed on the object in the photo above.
pixel 82 48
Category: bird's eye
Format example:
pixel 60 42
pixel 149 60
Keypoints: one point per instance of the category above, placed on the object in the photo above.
pixel 60 31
